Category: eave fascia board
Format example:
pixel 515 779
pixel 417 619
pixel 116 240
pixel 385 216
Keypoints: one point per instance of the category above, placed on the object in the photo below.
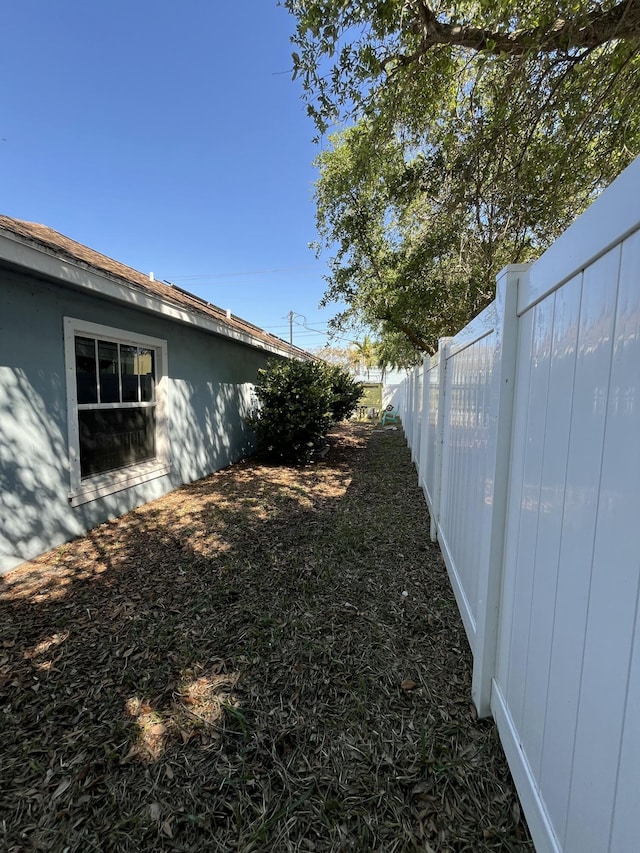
pixel 45 263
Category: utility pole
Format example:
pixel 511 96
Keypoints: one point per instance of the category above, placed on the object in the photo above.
pixel 291 315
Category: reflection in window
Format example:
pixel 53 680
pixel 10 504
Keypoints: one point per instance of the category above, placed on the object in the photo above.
pixel 116 396
pixel 108 366
pixel 108 372
pixel 115 438
pixel 129 375
pixel 86 382
pixel 146 368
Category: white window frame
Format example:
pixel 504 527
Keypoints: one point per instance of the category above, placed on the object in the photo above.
pixel 82 490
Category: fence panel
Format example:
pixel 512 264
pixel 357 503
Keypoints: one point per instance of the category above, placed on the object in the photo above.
pixel 424 425
pixel 429 429
pixel 417 415
pixel 409 413
pixel 467 460
pixel 535 499
pixel 566 688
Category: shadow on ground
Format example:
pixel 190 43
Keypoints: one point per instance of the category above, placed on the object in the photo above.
pixel 267 659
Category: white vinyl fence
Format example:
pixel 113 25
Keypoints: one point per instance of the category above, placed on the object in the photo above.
pixel 525 429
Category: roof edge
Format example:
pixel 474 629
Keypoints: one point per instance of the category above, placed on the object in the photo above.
pixel 57 261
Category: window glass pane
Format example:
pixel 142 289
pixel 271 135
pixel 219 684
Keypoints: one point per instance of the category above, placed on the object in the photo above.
pixel 147 370
pixel 108 365
pixel 115 438
pixel 86 383
pixel 129 376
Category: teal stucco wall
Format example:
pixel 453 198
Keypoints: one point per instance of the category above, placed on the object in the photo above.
pixel 210 381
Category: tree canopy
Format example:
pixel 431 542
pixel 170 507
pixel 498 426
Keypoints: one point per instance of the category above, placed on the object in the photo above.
pixel 469 135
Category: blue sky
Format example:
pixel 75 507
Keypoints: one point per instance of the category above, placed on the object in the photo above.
pixel 169 137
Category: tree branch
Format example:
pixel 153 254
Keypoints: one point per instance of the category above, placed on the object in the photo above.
pixel 386 316
pixel 406 330
pixel 621 22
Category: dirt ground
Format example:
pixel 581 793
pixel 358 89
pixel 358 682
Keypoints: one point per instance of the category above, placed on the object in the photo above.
pixel 269 659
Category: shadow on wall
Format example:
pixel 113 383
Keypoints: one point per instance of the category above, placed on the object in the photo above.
pixel 34 470
pixel 35 514
pixel 208 430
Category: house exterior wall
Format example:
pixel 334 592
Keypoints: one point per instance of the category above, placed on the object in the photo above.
pixel 210 381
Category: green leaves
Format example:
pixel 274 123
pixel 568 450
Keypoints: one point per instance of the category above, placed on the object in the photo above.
pixel 477 135
pixel 389 223
pixel 299 400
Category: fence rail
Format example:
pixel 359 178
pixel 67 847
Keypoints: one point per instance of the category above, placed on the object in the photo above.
pixel 525 430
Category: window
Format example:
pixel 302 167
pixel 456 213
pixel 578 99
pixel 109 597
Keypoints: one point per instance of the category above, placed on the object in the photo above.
pixel 116 396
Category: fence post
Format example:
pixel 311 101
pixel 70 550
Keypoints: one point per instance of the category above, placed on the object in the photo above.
pixel 443 350
pixel 490 576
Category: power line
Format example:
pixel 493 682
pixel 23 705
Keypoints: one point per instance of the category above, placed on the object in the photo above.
pixel 309 332
pixel 286 326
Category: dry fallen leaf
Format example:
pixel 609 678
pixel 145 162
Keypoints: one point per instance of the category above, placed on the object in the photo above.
pixel 62 787
pixel 137 750
pixel 277 688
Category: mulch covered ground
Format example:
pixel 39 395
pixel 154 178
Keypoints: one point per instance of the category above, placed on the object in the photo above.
pixel 267 659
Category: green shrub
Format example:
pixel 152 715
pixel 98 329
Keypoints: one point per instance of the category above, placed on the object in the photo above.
pixel 298 402
pixel 345 392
